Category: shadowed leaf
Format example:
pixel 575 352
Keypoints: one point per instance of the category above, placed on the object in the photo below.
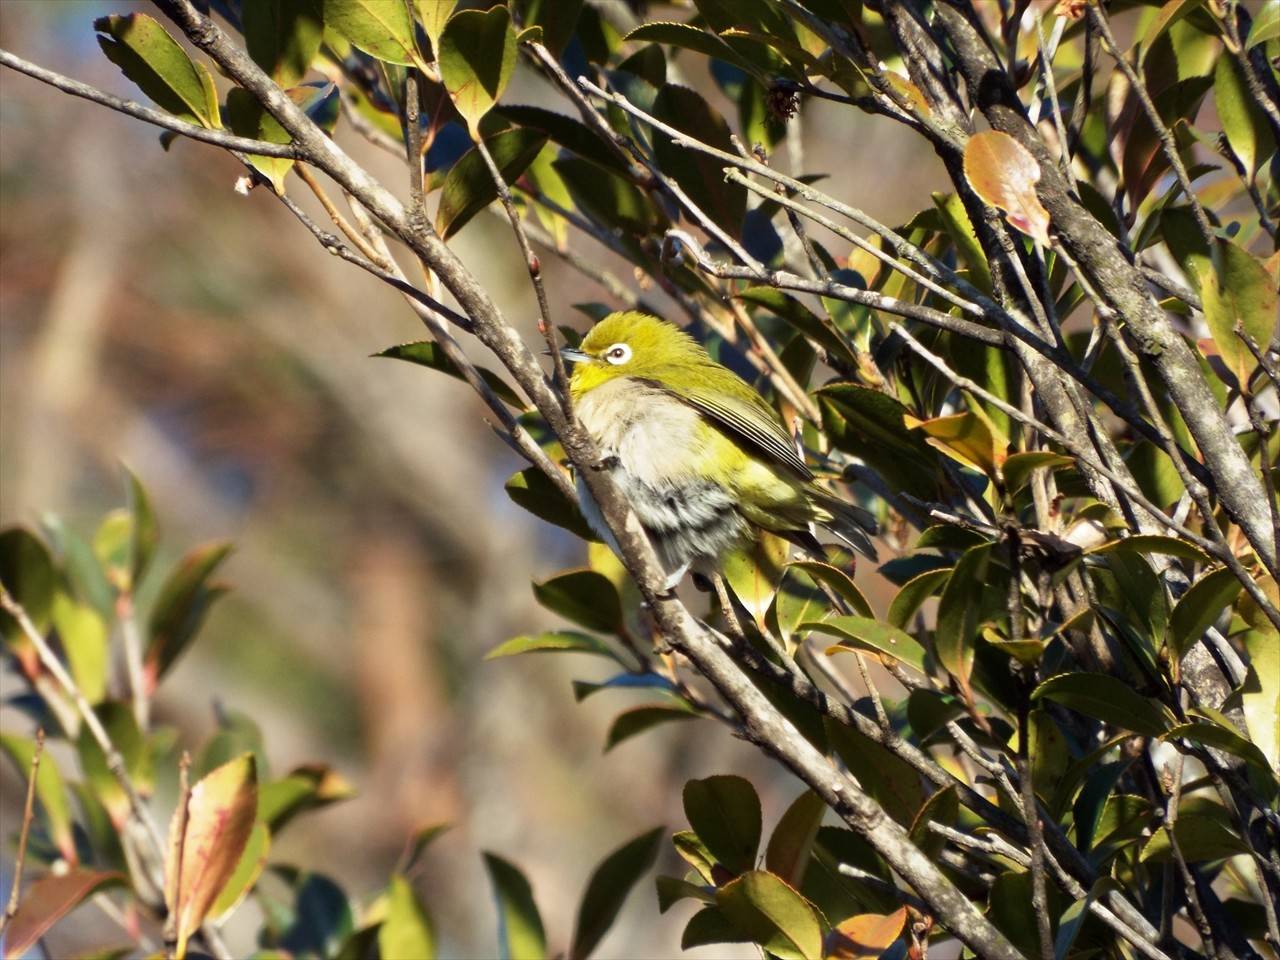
pixel 51 898
pixel 608 888
pixel 180 609
pixel 587 598
pixel 864 633
pixel 1105 698
pixel 147 55
pixel 724 812
pixel 477 55
pixel 51 791
pixel 283 36
pixel 637 720
pixel 427 353
pixel 520 933
pixel 468 186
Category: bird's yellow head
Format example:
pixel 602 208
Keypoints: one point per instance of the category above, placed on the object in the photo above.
pixel 631 344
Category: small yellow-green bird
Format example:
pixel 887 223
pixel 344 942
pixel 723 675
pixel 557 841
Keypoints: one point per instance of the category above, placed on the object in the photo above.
pixel 701 456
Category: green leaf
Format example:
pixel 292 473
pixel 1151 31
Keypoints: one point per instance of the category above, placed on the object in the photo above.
pixel 1240 292
pixel 427 353
pixel 1019 467
pixel 477 55
pixel 27 572
pixel 671 890
pixel 695 853
pixel 610 199
pixel 246 873
pixel 1199 607
pixel 180 609
pixel 48 900
pixel 564 131
pixel 51 791
pixel 959 227
pixel 754 571
pixel 791 843
pixel 111 545
pixel 434 14
pixel 145 532
pixel 122 727
pixel 688 37
pixel 1266 26
pixel 383 28
pixel 608 888
pixel 837 580
pixel 247 118
pixel 146 54
pixel 798 601
pixel 868 424
pixel 80 567
pixel 1243 121
pixel 701 175
pixel 961 612
pixel 889 779
pixel 283 36
pixel 913 595
pixel 1220 735
pixel 773 914
pixel 520 933
pixel 84 642
pixel 308 787
pixel 557 18
pixel 1205 833
pixel 586 597
pixel 1260 695
pixel 637 720
pixel 531 489
pixel 468 186
pixel 1105 698
pixel 710 925
pixel 818 329
pixel 406 931
pixel 724 811
pixel 864 633
pixel 552 641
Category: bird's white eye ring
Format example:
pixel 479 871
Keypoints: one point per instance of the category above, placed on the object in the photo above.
pixel 617 354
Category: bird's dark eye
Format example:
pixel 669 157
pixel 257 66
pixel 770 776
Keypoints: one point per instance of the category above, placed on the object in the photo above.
pixel 618 353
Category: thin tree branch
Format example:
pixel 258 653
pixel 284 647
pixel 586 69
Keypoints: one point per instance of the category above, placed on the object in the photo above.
pixel 28 814
pixel 219 138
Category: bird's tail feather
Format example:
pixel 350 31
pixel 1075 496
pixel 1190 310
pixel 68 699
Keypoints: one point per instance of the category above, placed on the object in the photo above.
pixel 851 523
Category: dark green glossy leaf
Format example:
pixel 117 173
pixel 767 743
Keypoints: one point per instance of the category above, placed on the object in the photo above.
pixel 1242 119
pixel 565 131
pixel 283 36
pixel 1199 607
pixel 637 720
pixel 531 489
pixel 818 329
pixel 145 531
pixel 868 424
pixel 608 198
pixel 27 572
pixel 608 888
pixel 913 595
pixel 468 186
pixel 1105 698
pixel 427 353
pixel 791 843
pixel 724 812
pixel 586 597
pixel 701 175
pixel 180 609
pixel 961 611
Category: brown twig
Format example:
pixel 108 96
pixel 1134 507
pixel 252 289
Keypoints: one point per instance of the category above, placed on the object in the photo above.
pixel 173 879
pixel 28 814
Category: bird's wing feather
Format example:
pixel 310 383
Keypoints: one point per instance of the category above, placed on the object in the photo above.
pixel 746 415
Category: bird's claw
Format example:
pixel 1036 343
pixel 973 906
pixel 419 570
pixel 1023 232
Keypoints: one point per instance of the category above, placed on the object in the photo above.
pixel 606 463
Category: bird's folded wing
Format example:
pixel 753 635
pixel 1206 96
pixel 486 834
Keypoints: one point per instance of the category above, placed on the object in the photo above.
pixel 748 418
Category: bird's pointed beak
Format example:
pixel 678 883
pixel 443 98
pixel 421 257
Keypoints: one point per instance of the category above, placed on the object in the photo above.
pixel 571 355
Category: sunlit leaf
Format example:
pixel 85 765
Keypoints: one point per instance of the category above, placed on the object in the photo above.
pixel 205 851
pixel 308 787
pixel 1004 174
pixel 867 935
pixel 383 28
pixel 1260 695
pixel 867 423
pixel 961 611
pixel 551 641
pixel 84 641
pixel 753 573
pixel 1019 467
pixel 1240 293
pixel 477 55
pixel 146 54
pixel 406 931
pixel 1243 121
pixel 531 489
pixel 864 633
pixel 773 914
pixel 180 609
pixel 246 873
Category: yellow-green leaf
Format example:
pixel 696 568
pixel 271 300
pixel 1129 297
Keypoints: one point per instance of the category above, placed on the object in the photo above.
pixel 406 932
pixel 146 54
pixel 383 28
pixel 477 55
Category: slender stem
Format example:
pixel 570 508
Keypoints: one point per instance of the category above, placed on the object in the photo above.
pixel 174 937
pixel 28 814
pixel 219 138
pixel 115 762
pixel 545 324
pixel 127 617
